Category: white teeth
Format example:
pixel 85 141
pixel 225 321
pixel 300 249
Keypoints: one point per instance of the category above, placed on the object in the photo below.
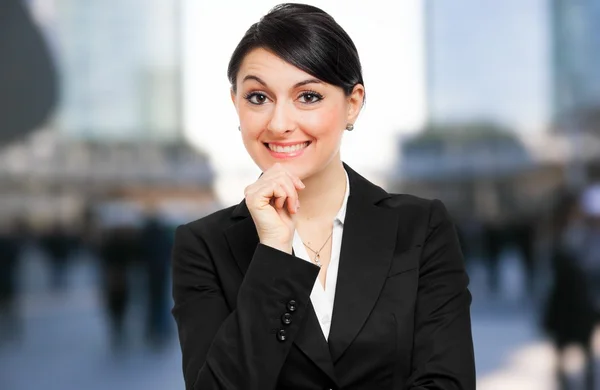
pixel 287 149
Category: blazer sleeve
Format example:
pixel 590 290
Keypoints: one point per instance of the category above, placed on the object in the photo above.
pixel 443 357
pixel 240 348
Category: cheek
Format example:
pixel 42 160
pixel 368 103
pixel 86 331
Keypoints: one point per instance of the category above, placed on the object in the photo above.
pixel 321 123
pixel 253 122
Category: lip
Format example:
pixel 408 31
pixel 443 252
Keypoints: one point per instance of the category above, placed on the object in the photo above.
pixel 284 156
pixel 287 143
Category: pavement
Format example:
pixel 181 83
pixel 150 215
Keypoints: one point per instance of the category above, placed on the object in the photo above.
pixel 64 344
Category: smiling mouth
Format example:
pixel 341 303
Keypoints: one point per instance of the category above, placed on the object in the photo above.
pixel 287 148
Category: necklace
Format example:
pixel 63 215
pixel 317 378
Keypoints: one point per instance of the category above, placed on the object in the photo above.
pixel 318 253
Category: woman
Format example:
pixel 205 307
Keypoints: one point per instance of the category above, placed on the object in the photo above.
pixel 318 278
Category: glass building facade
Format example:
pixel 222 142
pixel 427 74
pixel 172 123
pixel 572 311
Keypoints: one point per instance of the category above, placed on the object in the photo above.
pixel 576 57
pixel 121 67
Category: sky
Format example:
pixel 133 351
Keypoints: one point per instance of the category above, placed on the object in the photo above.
pixel 389 42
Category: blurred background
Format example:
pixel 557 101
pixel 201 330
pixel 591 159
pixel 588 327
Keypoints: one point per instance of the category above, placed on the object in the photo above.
pixel 116 126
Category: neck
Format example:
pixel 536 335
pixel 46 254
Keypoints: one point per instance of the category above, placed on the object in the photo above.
pixel 324 193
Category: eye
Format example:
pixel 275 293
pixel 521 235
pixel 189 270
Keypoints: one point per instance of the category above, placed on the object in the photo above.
pixel 256 98
pixel 310 97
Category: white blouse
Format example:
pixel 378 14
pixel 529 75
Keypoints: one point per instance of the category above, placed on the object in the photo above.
pixel 322 299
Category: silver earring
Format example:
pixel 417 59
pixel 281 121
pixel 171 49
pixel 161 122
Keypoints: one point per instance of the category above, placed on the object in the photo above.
pixel 239 128
pixel 349 127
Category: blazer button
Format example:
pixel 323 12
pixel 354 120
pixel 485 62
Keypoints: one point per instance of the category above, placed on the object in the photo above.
pixel 281 335
pixel 292 306
pixel 286 319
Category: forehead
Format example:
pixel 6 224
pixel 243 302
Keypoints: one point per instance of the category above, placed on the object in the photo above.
pixel 270 68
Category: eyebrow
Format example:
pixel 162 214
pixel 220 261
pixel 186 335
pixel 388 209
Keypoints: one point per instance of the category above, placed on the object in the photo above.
pixel 299 84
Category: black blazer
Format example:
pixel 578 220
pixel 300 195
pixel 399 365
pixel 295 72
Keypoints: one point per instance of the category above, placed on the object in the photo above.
pixel 401 316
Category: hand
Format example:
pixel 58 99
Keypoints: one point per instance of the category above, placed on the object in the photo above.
pixel 272 200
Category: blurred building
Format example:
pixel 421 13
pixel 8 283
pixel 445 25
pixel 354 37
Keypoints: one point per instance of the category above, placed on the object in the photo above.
pixel 486 62
pixel 575 59
pixel 576 84
pixel 122 69
pixel 486 103
pixel 488 68
pixel 116 137
pixel 481 171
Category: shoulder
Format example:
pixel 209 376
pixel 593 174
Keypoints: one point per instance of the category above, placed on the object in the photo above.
pixel 430 211
pixel 401 201
pixel 412 209
pixel 209 225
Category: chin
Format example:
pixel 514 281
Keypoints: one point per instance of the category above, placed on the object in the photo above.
pixel 301 172
pixel 297 168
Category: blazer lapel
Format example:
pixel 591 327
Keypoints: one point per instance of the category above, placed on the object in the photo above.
pixel 243 239
pixel 368 243
pixel 311 341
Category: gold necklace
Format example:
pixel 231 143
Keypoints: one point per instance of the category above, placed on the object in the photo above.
pixel 318 253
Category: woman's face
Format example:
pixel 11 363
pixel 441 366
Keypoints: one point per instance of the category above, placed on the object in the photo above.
pixel 289 116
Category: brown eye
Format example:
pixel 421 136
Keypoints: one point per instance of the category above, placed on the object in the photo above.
pixel 256 98
pixel 310 97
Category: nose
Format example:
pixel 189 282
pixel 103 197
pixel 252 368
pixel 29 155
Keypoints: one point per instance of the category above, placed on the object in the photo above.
pixel 282 120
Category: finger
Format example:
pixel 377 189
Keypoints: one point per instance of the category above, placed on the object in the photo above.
pixel 278 170
pixel 293 205
pixel 292 200
pixel 279 194
pixel 296 180
pixel 280 200
pixel 284 215
pixel 263 194
pixel 272 194
pixel 273 171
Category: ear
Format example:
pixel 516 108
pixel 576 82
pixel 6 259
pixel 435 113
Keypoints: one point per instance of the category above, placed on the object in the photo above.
pixel 233 96
pixel 355 102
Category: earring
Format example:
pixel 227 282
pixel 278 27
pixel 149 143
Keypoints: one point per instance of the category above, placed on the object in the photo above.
pixel 349 127
pixel 239 128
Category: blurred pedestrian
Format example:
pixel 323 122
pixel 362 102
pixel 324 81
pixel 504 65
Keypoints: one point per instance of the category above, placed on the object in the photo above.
pixel 569 316
pixel 493 245
pixel 156 249
pixel 58 246
pixel 523 232
pixel 590 202
pixel 11 240
pixel 117 252
pixel 518 232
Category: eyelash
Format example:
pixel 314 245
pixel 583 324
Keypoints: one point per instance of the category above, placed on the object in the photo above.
pixel 250 95
pixel 315 94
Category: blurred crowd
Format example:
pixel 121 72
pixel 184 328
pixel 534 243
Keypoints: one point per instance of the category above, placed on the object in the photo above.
pixel 572 308
pixel 127 254
pixel 557 244
pixel 559 257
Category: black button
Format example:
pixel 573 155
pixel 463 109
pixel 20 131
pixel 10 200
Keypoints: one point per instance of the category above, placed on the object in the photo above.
pixel 292 305
pixel 281 335
pixel 286 319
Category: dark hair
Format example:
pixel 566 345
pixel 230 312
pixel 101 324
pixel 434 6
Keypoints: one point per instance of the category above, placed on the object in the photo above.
pixel 306 37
